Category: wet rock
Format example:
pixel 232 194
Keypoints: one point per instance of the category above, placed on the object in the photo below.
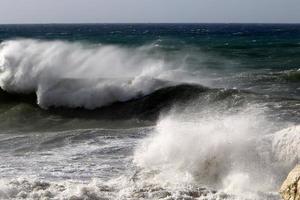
pixel 290 189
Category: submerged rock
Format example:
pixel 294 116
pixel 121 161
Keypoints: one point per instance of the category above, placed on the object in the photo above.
pixel 290 189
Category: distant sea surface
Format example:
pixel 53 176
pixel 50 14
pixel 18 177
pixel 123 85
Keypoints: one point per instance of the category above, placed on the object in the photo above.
pixel 148 111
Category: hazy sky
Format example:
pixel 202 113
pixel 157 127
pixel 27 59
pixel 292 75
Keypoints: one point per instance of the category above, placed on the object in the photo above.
pixel 101 11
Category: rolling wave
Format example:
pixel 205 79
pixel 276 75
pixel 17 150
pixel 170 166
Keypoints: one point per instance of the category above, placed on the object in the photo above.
pixel 101 80
pixel 104 73
pixel 151 106
pixel 94 81
pixel 147 106
pixel 181 118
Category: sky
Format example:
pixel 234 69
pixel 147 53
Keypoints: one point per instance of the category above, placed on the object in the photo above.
pixel 149 11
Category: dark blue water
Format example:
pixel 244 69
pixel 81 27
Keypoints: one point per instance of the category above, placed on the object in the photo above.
pixel 256 45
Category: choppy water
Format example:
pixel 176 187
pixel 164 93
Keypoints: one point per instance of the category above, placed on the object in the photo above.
pixel 148 111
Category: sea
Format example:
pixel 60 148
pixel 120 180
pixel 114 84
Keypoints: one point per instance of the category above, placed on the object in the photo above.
pixel 148 111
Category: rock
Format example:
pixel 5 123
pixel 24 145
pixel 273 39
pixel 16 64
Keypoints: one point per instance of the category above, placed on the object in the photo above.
pixel 290 189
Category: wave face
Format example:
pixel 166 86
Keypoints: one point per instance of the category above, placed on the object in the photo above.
pixel 82 75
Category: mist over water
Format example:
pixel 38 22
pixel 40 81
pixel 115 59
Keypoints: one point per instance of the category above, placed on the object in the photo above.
pixel 75 75
pixel 234 152
pixel 148 111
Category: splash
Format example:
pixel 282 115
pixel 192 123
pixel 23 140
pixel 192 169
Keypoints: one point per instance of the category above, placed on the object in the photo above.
pixel 233 152
pixel 82 75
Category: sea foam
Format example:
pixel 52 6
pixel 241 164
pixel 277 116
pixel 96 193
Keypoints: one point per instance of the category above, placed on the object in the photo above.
pixel 81 75
pixel 239 153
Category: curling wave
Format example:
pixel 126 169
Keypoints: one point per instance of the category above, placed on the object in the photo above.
pixel 81 75
pixel 143 107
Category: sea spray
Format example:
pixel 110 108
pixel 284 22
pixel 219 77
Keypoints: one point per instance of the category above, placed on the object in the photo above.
pixel 223 151
pixel 248 136
pixel 80 75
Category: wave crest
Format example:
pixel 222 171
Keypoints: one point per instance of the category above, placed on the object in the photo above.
pixel 80 75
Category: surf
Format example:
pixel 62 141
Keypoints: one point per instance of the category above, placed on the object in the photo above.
pixel 104 73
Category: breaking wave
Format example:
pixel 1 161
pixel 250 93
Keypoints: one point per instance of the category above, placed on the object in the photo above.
pixel 211 143
pixel 232 156
pixel 82 75
pixel 241 153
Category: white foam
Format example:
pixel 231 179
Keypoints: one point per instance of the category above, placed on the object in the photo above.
pixel 286 145
pixel 81 75
pixel 226 151
pixel 236 153
pixel 120 188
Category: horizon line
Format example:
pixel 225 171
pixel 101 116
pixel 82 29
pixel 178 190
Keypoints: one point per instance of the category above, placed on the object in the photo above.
pixel 137 23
